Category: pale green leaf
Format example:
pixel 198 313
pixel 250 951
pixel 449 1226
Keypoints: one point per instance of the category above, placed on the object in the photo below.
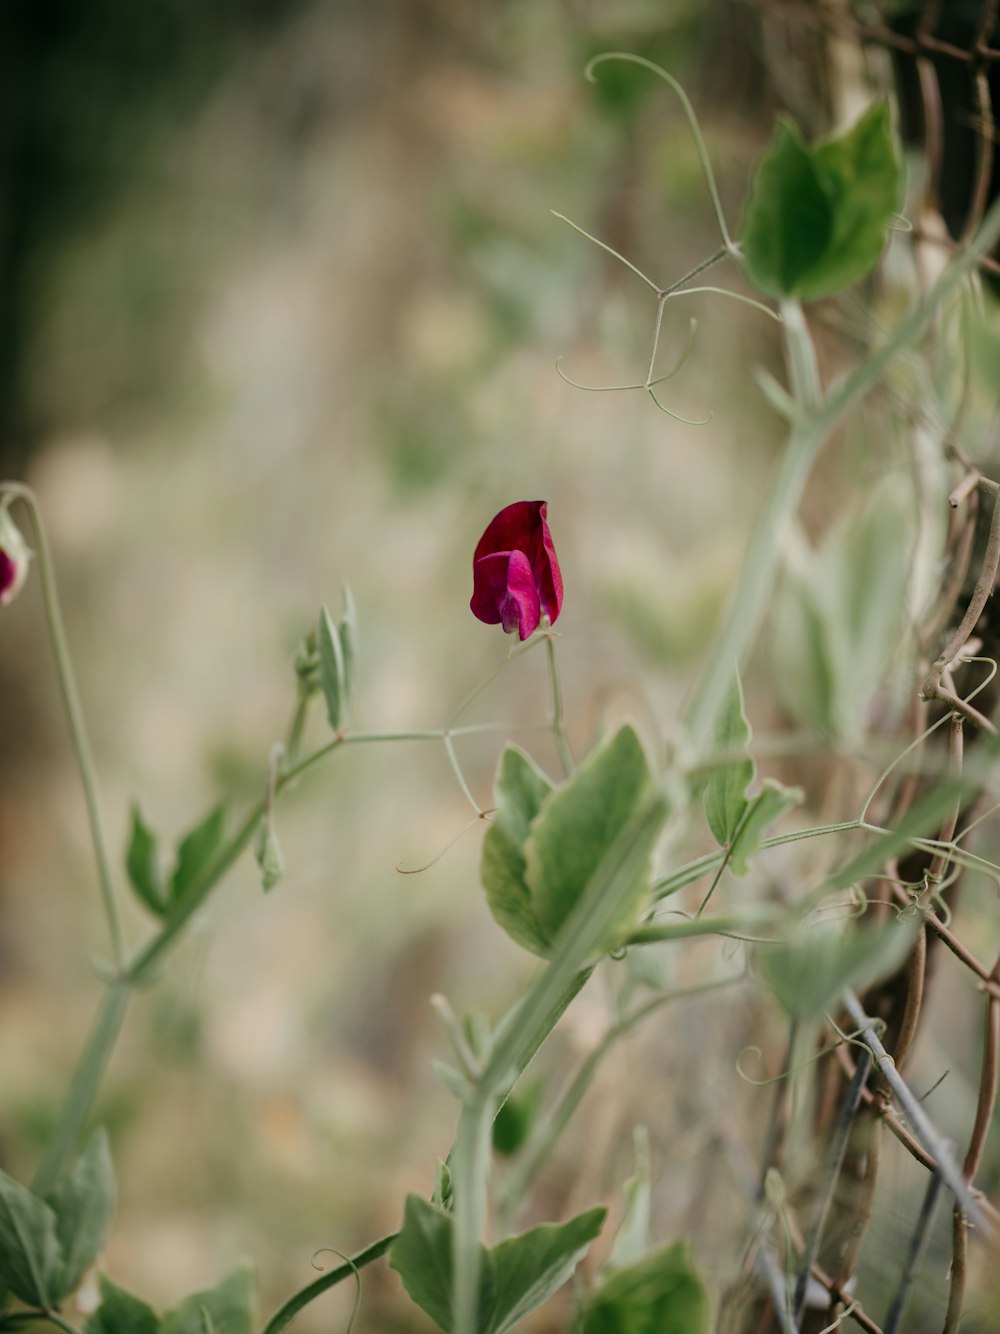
pixel 764 810
pixel 725 791
pixel 660 1294
pixel 83 1201
pixel 267 854
pixel 143 866
pixel 332 670
pixel 30 1255
pixel 121 1313
pixel 515 1277
pixel 808 974
pixel 576 827
pixel 228 1306
pixel 519 792
pixel 196 850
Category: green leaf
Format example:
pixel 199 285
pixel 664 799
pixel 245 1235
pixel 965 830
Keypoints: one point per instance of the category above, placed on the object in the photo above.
pixel 83 1201
pixel 29 1247
pixel 725 792
pixel 525 1271
pixel 348 634
pixel 421 1255
pixel 143 865
pixel 332 670
pixel 861 173
pixel 840 614
pixel 267 854
pixel 513 1122
pixel 454 1081
pixel 808 974
pixel 808 673
pixel 816 218
pixel 632 1239
pixel 577 825
pixel 661 1294
pixel 121 1313
pixel 789 218
pixel 515 1277
pixel 196 850
pixel 767 807
pixel 228 1307
pixel 520 790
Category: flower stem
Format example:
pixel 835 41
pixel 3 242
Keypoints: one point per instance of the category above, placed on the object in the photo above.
pixel 558 724
pixel 74 712
pixel 520 1037
pixel 84 1086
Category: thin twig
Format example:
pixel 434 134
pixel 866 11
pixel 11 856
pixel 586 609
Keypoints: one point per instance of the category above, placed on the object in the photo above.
pixel 838 1147
pixel 915 1254
pixel 934 1144
pixel 980 596
pixel 856 1313
pixel 985 1105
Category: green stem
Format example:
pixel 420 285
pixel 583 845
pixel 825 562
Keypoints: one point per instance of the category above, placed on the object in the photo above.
pixel 50 1318
pixel 803 370
pixel 585 932
pixel 74 712
pixel 692 119
pixel 296 727
pixel 542 1144
pixel 180 913
pixel 753 592
pixel 558 725
pixel 325 1282
pixel 469 1171
pixel 473 695
pixel 807 437
pixel 84 1086
pixel 687 875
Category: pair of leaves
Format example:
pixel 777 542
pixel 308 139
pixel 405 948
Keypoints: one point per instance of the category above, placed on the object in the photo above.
pixel 808 974
pixel 817 215
pixel 659 1294
pixel 225 1309
pixel 737 821
pixel 840 614
pixel 515 1277
pixel 545 842
pixel 47 1242
pixel 337 652
pixel 195 852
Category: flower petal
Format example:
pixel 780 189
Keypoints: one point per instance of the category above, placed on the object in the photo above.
pixel 505 592
pixel 14 558
pixel 8 576
pixel 523 527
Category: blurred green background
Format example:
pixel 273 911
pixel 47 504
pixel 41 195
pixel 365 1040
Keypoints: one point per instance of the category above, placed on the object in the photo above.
pixel 281 300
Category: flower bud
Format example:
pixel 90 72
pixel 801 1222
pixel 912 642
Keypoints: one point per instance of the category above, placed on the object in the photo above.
pixel 516 578
pixel 14 558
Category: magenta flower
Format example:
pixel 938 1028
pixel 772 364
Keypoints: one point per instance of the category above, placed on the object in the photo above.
pixel 14 557
pixel 516 579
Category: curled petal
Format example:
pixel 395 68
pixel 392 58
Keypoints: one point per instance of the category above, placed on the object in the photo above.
pixel 505 592
pixel 522 527
pixel 14 559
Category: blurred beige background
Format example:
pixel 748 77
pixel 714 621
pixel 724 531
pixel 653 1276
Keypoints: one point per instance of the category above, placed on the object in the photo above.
pixel 302 332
